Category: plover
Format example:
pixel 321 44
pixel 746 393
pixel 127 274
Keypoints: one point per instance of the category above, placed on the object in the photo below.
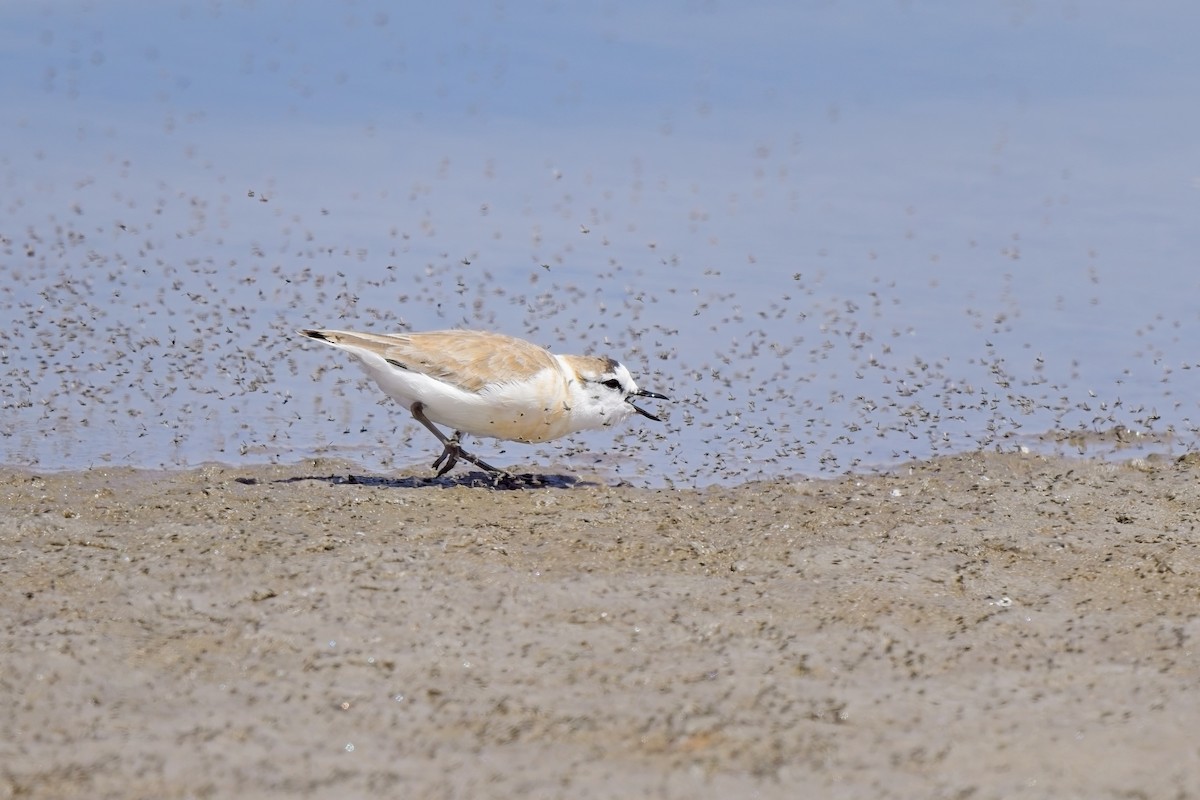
pixel 489 384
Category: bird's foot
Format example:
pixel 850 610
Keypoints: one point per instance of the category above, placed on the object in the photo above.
pixel 449 455
pixel 453 451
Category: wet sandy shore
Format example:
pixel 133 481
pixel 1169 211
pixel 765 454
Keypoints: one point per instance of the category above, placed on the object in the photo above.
pixel 977 626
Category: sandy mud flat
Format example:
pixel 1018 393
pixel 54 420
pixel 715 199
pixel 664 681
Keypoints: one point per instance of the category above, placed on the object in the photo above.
pixel 984 626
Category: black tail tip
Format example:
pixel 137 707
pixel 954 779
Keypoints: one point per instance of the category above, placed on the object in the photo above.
pixel 313 334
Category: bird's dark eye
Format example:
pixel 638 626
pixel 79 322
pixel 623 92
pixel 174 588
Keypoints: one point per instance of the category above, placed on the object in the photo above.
pixel 613 383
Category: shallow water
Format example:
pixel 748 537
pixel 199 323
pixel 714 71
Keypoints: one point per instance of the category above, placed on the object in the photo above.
pixel 835 242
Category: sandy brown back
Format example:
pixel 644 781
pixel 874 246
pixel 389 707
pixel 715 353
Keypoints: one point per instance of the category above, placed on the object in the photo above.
pixel 469 360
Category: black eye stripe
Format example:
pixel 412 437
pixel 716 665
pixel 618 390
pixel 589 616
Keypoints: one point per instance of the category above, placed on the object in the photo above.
pixel 612 383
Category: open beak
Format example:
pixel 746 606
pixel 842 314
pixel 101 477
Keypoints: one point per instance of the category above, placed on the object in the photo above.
pixel 642 411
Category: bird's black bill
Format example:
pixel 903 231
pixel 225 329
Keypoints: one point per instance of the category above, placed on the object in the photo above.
pixel 642 411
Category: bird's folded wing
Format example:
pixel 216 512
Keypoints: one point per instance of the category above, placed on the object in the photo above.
pixel 470 360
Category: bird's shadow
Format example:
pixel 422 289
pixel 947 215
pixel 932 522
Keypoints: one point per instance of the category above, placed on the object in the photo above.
pixel 472 480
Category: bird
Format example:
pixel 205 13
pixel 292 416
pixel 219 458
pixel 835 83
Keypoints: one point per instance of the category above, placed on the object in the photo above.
pixel 491 385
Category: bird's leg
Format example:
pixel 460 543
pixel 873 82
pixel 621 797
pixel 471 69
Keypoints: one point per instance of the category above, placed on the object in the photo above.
pixel 452 448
